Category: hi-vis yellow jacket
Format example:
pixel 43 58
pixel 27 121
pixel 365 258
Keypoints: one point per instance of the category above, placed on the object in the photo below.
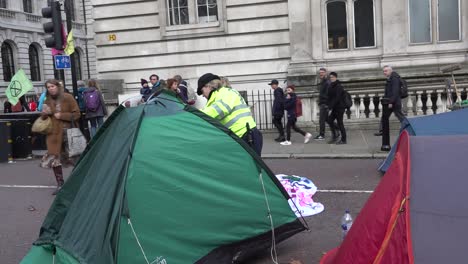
pixel 229 107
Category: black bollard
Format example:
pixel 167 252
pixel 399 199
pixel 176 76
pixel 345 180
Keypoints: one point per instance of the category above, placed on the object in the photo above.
pixel 385 125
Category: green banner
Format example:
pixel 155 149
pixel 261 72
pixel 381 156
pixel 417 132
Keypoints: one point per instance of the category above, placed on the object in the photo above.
pixel 19 86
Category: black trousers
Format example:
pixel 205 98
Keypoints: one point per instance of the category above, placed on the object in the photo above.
pixel 292 124
pixel 257 140
pixel 323 116
pixel 397 110
pixel 278 123
pixel 337 114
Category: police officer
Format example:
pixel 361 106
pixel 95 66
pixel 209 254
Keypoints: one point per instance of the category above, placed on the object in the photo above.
pixel 228 107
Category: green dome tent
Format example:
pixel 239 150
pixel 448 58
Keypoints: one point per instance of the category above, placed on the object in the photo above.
pixel 163 183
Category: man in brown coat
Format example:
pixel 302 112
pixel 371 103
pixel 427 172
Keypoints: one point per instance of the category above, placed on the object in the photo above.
pixel 63 109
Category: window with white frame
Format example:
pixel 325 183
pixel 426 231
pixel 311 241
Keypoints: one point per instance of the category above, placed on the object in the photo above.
pixel 337 25
pixel 184 12
pixel 207 11
pixel 420 21
pixel 448 20
pixel 364 33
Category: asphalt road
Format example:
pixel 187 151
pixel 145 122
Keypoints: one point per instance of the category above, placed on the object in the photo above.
pixel 22 210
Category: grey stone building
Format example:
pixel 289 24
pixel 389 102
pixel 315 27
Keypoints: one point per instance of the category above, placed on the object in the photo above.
pixel 253 41
pixel 23 47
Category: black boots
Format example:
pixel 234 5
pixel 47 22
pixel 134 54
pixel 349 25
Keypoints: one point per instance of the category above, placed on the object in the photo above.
pixel 59 178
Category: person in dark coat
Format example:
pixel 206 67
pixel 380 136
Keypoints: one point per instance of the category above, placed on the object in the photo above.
pixel 337 106
pixel 95 116
pixel 323 102
pixel 392 92
pixel 278 109
pixel 183 90
pixel 7 107
pixel 145 90
pixel 290 107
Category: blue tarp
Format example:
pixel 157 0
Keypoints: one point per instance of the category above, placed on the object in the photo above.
pixel 450 123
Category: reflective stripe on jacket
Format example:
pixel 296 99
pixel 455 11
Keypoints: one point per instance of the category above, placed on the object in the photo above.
pixel 228 106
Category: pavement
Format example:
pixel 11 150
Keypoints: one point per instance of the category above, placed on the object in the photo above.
pixel 361 144
pixel 25 192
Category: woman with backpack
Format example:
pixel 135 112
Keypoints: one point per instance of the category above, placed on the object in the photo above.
pixel 290 106
pixel 95 107
pixel 337 105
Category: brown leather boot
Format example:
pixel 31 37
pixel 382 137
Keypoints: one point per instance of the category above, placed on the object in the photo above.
pixel 58 172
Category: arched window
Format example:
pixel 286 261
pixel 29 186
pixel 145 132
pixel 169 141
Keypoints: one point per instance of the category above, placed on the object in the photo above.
pixel 364 33
pixel 79 75
pixel 34 63
pixel 448 18
pixel 27 6
pixel 337 25
pixel 8 62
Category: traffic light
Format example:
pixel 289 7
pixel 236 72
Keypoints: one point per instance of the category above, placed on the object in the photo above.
pixel 55 26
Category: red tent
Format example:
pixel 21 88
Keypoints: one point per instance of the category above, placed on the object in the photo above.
pixel 419 211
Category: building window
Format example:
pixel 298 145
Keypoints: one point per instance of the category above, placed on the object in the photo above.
pixel 34 63
pixel 79 75
pixel 364 34
pixel 448 18
pixel 207 11
pixel 420 21
pixel 337 25
pixel 3 3
pixel 27 6
pixel 178 12
pixel 8 62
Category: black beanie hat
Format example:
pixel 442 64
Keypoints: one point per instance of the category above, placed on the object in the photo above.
pixel 206 78
pixel 143 81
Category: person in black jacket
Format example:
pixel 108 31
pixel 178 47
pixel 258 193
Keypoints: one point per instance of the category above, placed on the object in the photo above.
pixel 392 92
pixel 278 109
pixel 337 106
pixel 323 102
pixel 290 107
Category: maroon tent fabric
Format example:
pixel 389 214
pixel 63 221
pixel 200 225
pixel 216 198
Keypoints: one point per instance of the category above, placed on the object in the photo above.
pixel 380 233
pixel 419 211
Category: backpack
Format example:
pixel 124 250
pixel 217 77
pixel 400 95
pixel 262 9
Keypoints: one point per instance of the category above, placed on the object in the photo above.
pixel 403 88
pixel 348 101
pixel 81 101
pixel 17 107
pixel 93 101
pixel 298 107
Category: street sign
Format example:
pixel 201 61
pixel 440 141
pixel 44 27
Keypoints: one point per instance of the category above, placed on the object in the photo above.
pixel 62 62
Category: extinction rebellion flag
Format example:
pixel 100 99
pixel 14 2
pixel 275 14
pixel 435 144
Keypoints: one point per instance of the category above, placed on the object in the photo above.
pixel 19 86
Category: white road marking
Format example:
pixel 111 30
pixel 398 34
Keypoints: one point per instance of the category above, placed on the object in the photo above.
pixel 28 186
pixel 344 191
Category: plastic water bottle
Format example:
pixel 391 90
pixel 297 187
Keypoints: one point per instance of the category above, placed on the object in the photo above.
pixel 346 223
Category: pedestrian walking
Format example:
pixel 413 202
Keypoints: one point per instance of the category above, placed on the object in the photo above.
pixel 62 109
pixel 336 103
pixel 228 107
pixel 95 107
pixel 278 109
pixel 323 102
pixel 145 90
pixel 290 107
pixel 393 93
